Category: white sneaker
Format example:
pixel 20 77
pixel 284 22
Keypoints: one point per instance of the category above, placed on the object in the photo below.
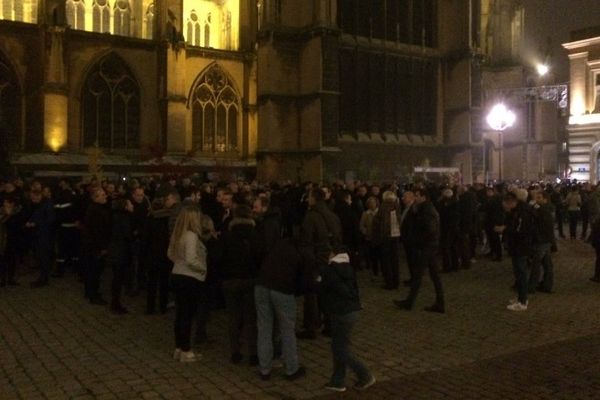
pixel 177 354
pixel 188 356
pixel 513 301
pixel 517 306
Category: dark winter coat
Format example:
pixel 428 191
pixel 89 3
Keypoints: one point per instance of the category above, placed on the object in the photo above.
pixel 382 221
pixel 467 205
pixel 494 214
pixel 43 217
pixel 350 225
pixel 338 289
pixel 239 251
pixel 268 231
pixel 449 220
pixel 156 238
pixel 427 227
pixel 520 231
pixel 96 229
pixel 544 224
pixel 121 236
pixel 321 232
pixel 281 270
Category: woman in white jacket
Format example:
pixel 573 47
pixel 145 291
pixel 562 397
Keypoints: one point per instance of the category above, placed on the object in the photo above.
pixel 188 254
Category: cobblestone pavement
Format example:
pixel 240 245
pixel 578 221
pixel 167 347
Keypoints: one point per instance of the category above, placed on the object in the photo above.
pixel 53 345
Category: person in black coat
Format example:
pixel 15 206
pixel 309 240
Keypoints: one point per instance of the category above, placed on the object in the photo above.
pixel 449 226
pixel 13 220
pixel 427 240
pixel 269 226
pixel 119 250
pixel 544 240
pixel 339 298
pixel 40 226
pixel 349 222
pixel 494 216
pixel 239 260
pixel 95 238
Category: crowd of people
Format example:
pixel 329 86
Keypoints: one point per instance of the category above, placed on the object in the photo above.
pixel 254 249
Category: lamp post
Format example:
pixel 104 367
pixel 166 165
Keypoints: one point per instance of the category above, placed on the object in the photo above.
pixel 499 119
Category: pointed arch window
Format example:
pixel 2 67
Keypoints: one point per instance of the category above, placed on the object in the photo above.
pixel 193 29
pixel 10 108
pixel 215 112
pixel 149 22
pixel 207 25
pixel 76 13
pixel 111 106
pixel 122 18
pixel 101 16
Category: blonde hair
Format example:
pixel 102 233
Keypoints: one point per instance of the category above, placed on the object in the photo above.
pixel 389 196
pixel 188 220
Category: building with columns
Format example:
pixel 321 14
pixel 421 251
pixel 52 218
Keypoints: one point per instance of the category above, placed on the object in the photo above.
pixel 280 89
pixel 584 115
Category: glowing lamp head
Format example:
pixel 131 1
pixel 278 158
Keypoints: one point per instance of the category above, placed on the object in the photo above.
pixel 542 69
pixel 501 118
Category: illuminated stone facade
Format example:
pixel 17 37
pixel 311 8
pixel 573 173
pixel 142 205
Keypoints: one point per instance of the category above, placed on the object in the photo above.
pixel 584 118
pixel 289 89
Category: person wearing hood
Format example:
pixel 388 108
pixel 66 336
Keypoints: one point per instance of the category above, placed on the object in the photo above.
pixel 238 256
pixel 340 300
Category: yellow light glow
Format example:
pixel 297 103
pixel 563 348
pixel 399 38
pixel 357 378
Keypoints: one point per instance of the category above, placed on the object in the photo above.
pixel 542 69
pixel 212 23
pixel 55 121
pixel 577 101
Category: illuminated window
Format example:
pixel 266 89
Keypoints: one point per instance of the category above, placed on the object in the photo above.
pixel 76 13
pixel 122 18
pixel 101 13
pixel 111 106
pixel 215 112
pixel 149 22
pixel 212 23
pixel 19 10
pixel 10 107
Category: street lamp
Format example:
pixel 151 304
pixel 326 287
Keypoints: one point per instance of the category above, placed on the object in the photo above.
pixel 542 69
pixel 500 119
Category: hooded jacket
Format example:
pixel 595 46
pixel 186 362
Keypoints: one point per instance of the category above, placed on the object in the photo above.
pixel 337 287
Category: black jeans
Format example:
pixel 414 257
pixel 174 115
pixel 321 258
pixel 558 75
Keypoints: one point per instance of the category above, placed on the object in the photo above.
pixel 341 332
pixel 390 249
pixel 521 277
pixel 450 253
pixel 426 259
pixel 560 216
pixel 188 293
pixel 495 242
pixel 94 265
pixel 372 257
pixel 312 314
pixel 158 281
pixel 42 255
pixel 120 272
pixel 67 245
pixel 411 259
pixel 241 310
pixel 573 221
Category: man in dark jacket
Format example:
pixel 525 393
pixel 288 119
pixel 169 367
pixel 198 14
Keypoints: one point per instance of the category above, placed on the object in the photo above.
pixel 319 234
pixel 542 246
pixel 239 260
pixel 119 250
pixel 407 233
pixel 427 240
pixel 519 231
pixel 40 225
pixel 449 226
pixel 494 216
pixel 349 223
pixel 138 274
pixel 467 205
pixel 95 238
pixel 67 237
pixel 275 299
pixel 268 225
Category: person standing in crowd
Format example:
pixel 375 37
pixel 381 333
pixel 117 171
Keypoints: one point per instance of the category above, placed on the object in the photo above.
pixel 188 254
pixel 558 201
pixel 274 295
pixel 67 237
pixel 320 232
pixel 407 234
pixel 269 225
pixel 595 242
pixel 467 206
pixel 386 234
pixel 95 238
pixel 427 240
pixel 585 193
pixel 226 214
pixel 239 260
pixel 519 238
pixel 366 228
pixel 339 295
pixel 494 216
pixel 40 225
pixel 119 255
pixel 449 226
pixel 138 274
pixel 12 221
pixel 543 212
pixel 350 224
pixel 157 238
pixel 573 201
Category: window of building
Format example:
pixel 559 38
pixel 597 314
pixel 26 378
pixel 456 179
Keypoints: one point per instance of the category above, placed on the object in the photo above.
pixel 212 23
pixel 149 22
pixel 122 18
pixel 111 106
pixel 19 10
pixel 215 112
pixel 385 93
pixel 101 13
pixel 76 13
pixel 10 107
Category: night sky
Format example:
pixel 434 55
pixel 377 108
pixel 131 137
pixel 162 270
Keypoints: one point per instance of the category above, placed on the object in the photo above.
pixel 556 19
